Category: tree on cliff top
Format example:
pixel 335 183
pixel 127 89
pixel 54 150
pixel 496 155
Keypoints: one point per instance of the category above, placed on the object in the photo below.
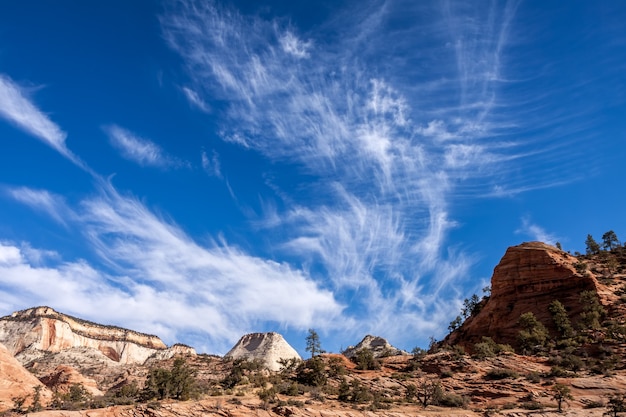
pixel 592 246
pixel 609 240
pixel 313 343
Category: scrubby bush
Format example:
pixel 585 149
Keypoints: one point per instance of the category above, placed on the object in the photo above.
pixel 488 348
pixel 365 360
pixel 501 373
pixel 533 335
pixel 178 383
pixel 312 372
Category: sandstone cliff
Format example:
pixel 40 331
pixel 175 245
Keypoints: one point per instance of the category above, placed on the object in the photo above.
pixel 268 347
pixel 42 329
pixel 15 381
pixel 528 278
pixel 379 347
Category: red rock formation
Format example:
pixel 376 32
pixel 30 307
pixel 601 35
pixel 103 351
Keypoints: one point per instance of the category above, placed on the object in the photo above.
pixel 528 278
pixel 15 381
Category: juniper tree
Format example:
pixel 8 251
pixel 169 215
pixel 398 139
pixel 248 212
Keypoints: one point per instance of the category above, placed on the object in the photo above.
pixel 609 240
pixel 592 246
pixel 313 343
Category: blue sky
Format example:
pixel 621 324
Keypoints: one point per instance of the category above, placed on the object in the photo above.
pixel 200 170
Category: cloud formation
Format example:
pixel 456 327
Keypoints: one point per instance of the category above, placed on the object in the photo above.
pixel 139 150
pixel 18 109
pixel 376 221
pixel 161 281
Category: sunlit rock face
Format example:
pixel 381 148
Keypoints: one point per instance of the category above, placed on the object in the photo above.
pixel 268 347
pixel 16 382
pixel 42 329
pixel 528 278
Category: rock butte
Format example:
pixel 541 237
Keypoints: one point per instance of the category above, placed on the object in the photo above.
pixel 268 347
pixel 528 278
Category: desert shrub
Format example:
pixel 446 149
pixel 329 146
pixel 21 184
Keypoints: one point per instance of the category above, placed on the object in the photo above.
pixel 616 404
pixel 531 405
pixel 488 348
pixel 241 368
pixel 450 399
pixel 312 372
pixel 354 392
pixel 178 383
pixel 428 391
pixel 592 313
pixel 365 360
pixel 559 372
pixel 76 398
pixel 533 335
pixel 533 377
pixel 288 365
pixel 267 396
pixel 501 373
pixel 561 319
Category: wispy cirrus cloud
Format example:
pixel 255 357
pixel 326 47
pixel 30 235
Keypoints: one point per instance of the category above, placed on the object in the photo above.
pixel 160 280
pixel 387 163
pixel 51 204
pixel 536 232
pixel 140 150
pixel 212 165
pixel 195 100
pixel 17 108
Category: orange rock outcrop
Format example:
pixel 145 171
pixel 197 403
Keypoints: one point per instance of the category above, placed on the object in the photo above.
pixel 528 278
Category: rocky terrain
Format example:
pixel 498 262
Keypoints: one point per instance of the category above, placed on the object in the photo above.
pixel 511 353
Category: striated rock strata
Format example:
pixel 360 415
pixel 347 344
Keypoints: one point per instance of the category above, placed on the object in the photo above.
pixel 528 278
pixel 42 329
pixel 379 347
pixel 268 347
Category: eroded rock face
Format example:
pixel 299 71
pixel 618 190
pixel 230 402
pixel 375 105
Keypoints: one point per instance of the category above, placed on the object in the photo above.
pixel 43 329
pixel 16 381
pixel 528 278
pixel 379 347
pixel 268 347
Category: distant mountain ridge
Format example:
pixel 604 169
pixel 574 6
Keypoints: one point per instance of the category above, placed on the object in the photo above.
pixel 42 329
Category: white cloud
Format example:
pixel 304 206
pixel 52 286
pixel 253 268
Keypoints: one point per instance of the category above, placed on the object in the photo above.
pixel 16 108
pixel 387 163
pixel 195 100
pixel 294 46
pixel 536 232
pixel 140 150
pixel 50 204
pixel 165 281
pixel 212 166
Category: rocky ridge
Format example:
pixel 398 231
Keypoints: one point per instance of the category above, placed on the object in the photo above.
pixel 34 331
pixel 379 347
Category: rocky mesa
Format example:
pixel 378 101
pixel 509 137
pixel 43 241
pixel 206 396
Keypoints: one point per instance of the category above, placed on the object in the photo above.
pixel 42 329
